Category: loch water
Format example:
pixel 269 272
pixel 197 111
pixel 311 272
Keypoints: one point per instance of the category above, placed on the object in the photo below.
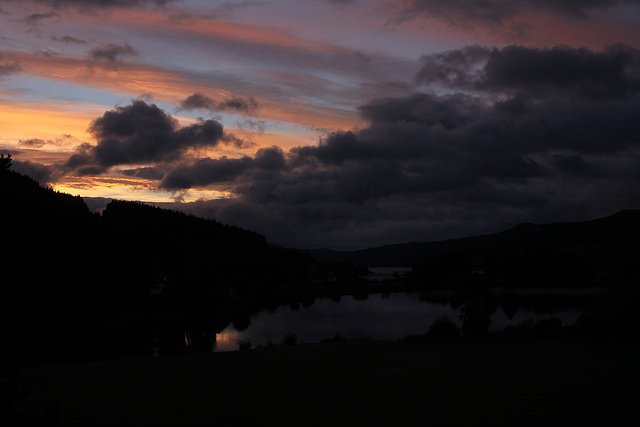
pixel 394 316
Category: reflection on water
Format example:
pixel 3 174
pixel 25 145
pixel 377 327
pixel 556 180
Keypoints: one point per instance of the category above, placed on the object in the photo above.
pixel 379 317
pixel 228 339
pixel 387 273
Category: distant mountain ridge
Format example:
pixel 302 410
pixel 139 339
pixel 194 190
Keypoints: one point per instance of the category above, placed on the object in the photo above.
pixel 617 233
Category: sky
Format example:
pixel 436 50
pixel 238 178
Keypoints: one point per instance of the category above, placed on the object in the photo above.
pixel 330 123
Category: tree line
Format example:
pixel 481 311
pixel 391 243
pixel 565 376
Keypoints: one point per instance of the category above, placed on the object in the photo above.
pixel 65 266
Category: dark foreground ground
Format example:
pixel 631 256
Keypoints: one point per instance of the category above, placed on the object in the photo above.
pixel 570 382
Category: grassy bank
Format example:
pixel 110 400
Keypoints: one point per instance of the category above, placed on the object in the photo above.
pixel 467 382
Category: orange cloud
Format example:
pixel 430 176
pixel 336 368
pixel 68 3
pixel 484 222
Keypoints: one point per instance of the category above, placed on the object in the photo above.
pixel 196 28
pixel 135 79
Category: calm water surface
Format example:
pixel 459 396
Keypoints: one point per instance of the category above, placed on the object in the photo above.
pixel 378 317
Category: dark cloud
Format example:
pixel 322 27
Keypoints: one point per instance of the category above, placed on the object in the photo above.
pixel 512 144
pixel 83 162
pixel 271 158
pixel 68 39
pixel 204 172
pixel 151 173
pixel 204 102
pixel 207 171
pixel 578 8
pixel 131 120
pixel 252 124
pixel 238 104
pixel 342 3
pixel 557 71
pixel 460 11
pixel 571 163
pixel 63 140
pixel 447 111
pixel 111 52
pixel 198 101
pixel 36 18
pixel 141 133
pixel 236 141
pixel 458 68
pixel 418 144
pixel 32 143
pixel 615 72
pixel 496 12
pixel 101 4
pixel 41 173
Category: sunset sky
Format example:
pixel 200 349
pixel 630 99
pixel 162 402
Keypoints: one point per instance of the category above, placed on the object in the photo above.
pixel 330 123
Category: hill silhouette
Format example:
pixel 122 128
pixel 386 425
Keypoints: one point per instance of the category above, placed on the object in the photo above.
pixel 66 269
pixel 601 251
pixel 53 236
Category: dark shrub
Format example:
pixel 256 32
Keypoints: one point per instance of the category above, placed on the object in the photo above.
pixel 525 327
pixel 548 325
pixel 601 326
pixel 443 329
pixel 476 318
pixel 336 338
pixel 244 344
pixel 414 338
pixel 290 339
pixel 534 328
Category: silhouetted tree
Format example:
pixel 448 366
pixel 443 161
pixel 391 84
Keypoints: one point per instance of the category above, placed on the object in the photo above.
pixel 290 339
pixel 476 318
pixel 443 329
pixel 5 162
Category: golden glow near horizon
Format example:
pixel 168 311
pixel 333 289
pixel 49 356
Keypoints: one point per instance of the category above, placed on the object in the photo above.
pixel 228 339
pixel 46 121
pixel 132 189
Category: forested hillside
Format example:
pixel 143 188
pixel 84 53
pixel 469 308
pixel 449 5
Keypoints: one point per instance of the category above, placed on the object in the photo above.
pixel 65 267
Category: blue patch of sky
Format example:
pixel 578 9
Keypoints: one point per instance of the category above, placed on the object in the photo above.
pixel 37 89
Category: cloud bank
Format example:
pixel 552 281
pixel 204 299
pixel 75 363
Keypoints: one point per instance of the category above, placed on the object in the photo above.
pixel 549 72
pixel 496 12
pixel 529 134
pixel 512 134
